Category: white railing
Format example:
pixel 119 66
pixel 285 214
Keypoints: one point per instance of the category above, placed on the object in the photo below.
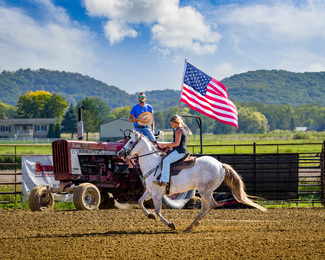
pixel 21 133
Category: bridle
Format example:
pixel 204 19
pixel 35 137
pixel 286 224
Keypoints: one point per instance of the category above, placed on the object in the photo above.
pixel 128 151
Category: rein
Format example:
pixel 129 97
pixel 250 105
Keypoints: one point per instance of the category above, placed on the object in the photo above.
pixel 143 155
pixel 151 171
pixel 138 156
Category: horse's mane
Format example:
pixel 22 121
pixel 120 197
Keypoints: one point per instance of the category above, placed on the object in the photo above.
pixel 148 141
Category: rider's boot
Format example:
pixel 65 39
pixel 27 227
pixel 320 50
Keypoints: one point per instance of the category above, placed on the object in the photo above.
pixel 160 183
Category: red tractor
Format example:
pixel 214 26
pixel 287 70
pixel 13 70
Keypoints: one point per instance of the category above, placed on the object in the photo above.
pixel 96 177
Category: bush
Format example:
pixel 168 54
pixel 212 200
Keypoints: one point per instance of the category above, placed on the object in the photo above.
pixel 10 159
pixel 300 136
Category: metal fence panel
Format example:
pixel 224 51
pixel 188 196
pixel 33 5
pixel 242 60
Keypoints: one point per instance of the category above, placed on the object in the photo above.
pixel 271 176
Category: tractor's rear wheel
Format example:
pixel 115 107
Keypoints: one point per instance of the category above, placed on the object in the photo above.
pixel 40 199
pixel 86 197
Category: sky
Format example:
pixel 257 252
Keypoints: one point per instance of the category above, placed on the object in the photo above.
pixel 141 45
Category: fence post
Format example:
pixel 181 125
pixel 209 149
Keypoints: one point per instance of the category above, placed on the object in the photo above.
pixel 15 172
pixel 322 166
pixel 254 151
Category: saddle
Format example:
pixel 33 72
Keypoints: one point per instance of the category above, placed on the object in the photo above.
pixel 184 163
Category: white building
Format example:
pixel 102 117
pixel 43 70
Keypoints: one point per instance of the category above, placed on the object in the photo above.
pixel 111 131
pixel 25 127
pixel 301 128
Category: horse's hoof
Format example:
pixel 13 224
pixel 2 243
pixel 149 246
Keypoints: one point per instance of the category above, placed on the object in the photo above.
pixel 171 225
pixel 151 216
pixel 188 230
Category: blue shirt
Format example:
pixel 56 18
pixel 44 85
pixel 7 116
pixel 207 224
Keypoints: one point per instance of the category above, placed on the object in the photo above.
pixel 137 110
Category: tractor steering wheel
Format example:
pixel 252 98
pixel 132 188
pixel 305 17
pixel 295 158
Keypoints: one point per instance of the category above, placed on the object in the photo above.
pixel 127 133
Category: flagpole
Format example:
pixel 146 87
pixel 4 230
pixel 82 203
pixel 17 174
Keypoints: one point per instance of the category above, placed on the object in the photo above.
pixel 179 107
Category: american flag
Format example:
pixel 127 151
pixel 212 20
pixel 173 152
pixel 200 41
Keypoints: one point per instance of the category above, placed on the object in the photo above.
pixel 207 96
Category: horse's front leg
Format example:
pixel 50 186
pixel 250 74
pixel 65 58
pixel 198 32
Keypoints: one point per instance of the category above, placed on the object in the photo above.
pixel 146 196
pixel 157 201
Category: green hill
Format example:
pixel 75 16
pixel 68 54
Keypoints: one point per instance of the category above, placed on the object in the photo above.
pixel 72 86
pixel 277 87
pixel 269 87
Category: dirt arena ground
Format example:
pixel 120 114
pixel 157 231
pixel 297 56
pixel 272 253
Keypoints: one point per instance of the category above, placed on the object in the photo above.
pixel 295 233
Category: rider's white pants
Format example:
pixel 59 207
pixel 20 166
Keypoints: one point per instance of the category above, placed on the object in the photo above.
pixel 172 157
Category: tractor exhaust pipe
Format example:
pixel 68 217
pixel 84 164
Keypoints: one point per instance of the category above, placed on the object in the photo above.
pixel 80 126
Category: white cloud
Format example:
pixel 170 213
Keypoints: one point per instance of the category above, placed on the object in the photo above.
pixel 283 34
pixel 316 67
pixel 54 13
pixel 281 21
pixel 173 27
pixel 116 31
pixel 225 70
pixel 52 44
pixel 129 11
pixel 184 28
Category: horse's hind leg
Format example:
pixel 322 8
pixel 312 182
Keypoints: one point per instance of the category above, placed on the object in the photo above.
pixel 208 203
pixel 144 197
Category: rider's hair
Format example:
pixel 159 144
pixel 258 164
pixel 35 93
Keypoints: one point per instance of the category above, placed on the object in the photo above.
pixel 177 119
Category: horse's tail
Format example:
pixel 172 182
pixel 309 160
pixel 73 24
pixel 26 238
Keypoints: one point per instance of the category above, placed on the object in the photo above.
pixel 237 187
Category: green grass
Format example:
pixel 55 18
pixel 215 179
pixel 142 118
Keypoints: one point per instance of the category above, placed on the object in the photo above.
pixel 282 142
pixel 25 149
pixel 291 204
pixel 24 205
pixel 263 146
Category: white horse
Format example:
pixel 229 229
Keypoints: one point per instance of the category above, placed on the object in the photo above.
pixel 206 176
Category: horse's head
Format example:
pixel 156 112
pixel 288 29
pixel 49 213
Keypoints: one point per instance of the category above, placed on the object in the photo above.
pixel 128 147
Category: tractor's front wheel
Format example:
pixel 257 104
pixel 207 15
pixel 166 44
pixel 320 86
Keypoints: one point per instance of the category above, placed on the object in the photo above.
pixel 86 197
pixel 40 199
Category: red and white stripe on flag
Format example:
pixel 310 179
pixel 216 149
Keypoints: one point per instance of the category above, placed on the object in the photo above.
pixel 214 104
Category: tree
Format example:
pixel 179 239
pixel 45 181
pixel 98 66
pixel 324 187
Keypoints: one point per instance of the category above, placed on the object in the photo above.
pixel 69 122
pixel 104 111
pixel 159 120
pixel 220 128
pixel 51 131
pixel 57 130
pixel 269 110
pixel 8 111
pixel 285 113
pixel 54 131
pixel 122 112
pixel 310 115
pixel 168 114
pixel 41 104
pixel 90 115
pixel 251 121
pixel 292 124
